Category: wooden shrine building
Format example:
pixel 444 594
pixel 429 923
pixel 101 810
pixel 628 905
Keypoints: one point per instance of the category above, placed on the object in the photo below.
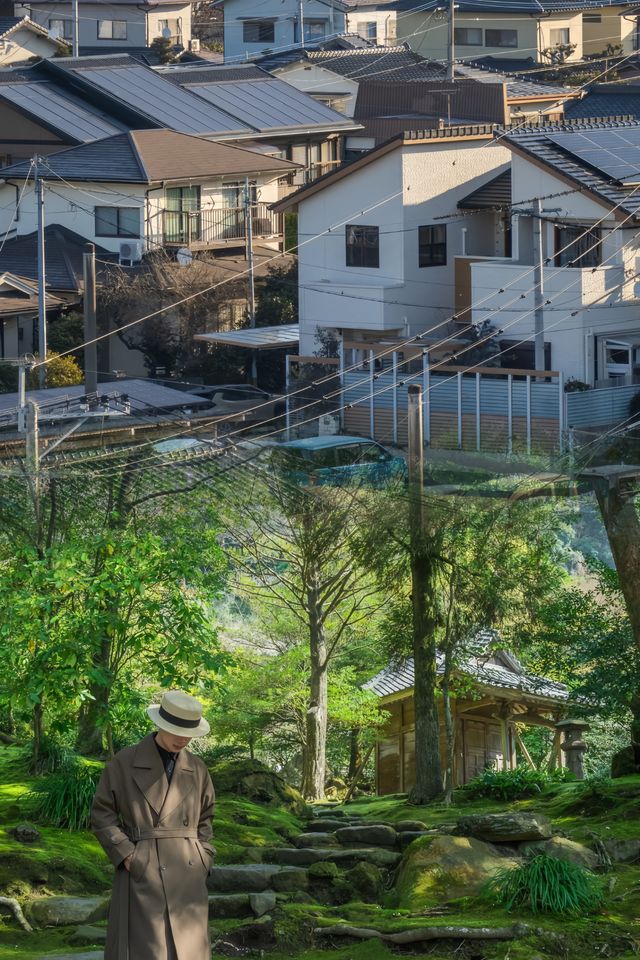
pixel 496 696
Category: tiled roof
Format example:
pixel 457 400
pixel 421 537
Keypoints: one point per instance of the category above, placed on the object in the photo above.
pixel 545 144
pixel 147 156
pixel 63 257
pixel 498 669
pixel 517 88
pixel 68 116
pixel 538 8
pixel 21 295
pixel 7 24
pixel 340 41
pixel 606 100
pixel 493 195
pixel 208 74
pixel 470 102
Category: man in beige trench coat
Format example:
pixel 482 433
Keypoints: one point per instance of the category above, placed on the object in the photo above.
pixel 152 814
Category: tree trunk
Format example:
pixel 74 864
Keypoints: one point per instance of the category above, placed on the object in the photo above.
pixel 94 713
pixel 37 735
pixel 315 749
pixel 623 531
pixel 355 753
pixel 428 785
pixel 450 729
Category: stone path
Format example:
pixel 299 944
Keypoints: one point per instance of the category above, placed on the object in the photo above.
pixel 331 847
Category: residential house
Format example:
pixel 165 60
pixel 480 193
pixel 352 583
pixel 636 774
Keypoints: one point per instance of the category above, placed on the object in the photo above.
pixel 587 175
pixel 374 22
pixel 500 697
pixel 390 89
pixel 66 102
pixel 250 31
pixel 387 231
pixel 114 26
pixel 606 100
pixel 19 314
pixel 519 29
pixel 22 39
pixel 135 192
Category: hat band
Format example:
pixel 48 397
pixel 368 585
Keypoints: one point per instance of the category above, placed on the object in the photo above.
pixel 178 721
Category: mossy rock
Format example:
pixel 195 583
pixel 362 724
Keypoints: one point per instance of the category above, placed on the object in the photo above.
pixel 364 882
pixel 256 782
pixel 323 871
pixel 446 868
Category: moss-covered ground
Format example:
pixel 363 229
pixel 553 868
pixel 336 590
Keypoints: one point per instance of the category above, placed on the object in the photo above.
pixel 64 862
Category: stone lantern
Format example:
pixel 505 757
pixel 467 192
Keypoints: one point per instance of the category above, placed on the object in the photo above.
pixel 573 745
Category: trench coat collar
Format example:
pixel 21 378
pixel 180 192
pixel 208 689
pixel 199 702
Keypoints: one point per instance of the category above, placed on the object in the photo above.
pixel 150 776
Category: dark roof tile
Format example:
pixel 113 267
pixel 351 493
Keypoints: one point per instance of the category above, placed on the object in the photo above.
pixel 63 257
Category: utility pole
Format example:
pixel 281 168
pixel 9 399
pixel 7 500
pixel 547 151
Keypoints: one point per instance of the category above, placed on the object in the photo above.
pixel 452 42
pixel 248 225
pixel 538 279
pixel 33 461
pixel 42 305
pixel 428 784
pixel 91 348
pixel 76 20
pixel 301 22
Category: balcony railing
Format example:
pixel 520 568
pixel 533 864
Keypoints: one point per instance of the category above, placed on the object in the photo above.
pixel 218 225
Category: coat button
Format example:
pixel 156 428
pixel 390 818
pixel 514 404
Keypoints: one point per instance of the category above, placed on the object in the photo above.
pixel 163 868
pixel 190 863
pixel 186 821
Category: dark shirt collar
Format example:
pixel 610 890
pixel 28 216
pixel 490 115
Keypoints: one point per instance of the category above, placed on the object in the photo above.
pixel 168 759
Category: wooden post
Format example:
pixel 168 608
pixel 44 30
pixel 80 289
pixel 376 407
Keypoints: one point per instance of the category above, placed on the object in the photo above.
pixel 525 753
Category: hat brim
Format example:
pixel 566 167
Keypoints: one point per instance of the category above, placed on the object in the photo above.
pixel 201 730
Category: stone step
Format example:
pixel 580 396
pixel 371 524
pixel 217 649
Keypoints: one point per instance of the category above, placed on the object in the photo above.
pixel 65 911
pixel 369 835
pixel 316 840
pixel 324 825
pixel 305 857
pixel 241 878
pixel 87 936
pixel 92 955
pixel 232 906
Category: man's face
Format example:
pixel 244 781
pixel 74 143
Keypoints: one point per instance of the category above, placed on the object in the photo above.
pixel 172 742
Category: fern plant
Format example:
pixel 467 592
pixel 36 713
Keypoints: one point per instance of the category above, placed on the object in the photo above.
pixel 547 885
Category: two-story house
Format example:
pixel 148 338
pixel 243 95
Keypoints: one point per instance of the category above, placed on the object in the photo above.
pixel 518 29
pixel 116 25
pixel 136 192
pixel 21 40
pixel 251 30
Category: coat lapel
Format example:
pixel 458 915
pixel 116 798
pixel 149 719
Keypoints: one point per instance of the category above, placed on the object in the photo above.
pixel 148 773
pixel 182 782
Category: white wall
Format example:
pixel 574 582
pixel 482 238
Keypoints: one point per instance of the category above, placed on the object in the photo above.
pixel 283 12
pixel 359 17
pixel 402 190
pixel 23 44
pixel 141 27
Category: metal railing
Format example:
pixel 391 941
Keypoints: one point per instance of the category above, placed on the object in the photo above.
pixel 218 225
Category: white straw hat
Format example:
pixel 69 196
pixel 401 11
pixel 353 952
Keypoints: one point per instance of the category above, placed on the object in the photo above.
pixel 180 714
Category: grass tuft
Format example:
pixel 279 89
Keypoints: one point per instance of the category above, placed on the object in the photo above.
pixel 546 885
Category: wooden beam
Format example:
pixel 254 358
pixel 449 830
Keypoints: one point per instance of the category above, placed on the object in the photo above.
pixel 523 749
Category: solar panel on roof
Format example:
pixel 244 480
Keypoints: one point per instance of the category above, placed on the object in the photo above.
pixel 165 102
pixel 63 113
pixel 267 104
pixel 615 153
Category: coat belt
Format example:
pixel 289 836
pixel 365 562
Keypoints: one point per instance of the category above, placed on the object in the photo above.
pixel 163 833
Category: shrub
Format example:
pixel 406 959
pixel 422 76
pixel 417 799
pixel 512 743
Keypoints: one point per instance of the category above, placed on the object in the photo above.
pixel 513 784
pixel 547 885
pixel 64 798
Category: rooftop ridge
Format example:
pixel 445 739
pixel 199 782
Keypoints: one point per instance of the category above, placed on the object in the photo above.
pixel 591 123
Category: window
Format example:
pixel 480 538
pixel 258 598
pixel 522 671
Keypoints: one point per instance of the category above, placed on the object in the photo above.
pixel 313 30
pixel 363 246
pixel 432 246
pixel 467 36
pixel 258 31
pixel 578 245
pixel 170 29
pixel 559 37
pixel 591 18
pixel 501 38
pixel 117 221
pixel 368 30
pixel 61 28
pixel 112 29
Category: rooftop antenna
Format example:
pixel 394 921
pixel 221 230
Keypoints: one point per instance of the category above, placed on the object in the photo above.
pixel 452 43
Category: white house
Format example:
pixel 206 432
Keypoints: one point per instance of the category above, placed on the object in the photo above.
pixel 587 175
pixel 251 30
pixel 21 39
pixel 113 25
pixel 387 231
pixel 135 192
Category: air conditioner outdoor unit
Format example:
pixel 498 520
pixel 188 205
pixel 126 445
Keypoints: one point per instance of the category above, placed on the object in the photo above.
pixel 194 45
pixel 130 252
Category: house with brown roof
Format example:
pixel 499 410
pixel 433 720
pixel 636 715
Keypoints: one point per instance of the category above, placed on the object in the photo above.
pixel 496 699
pixel 19 314
pixel 136 192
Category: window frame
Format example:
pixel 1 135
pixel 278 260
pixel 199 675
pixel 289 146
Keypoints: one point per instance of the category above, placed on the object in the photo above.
pixel 260 25
pixel 510 46
pixel 101 23
pixel 592 18
pixel 438 247
pixel 118 235
pixel 67 29
pixel 565 258
pixel 362 242
pixel 566 31
pixel 316 21
pixel 468 43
